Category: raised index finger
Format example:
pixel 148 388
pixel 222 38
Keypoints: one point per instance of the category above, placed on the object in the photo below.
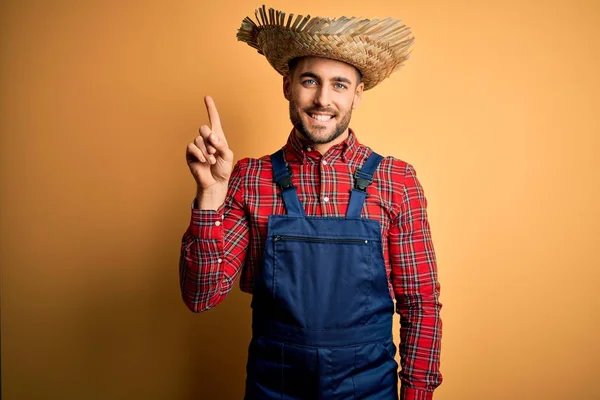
pixel 213 115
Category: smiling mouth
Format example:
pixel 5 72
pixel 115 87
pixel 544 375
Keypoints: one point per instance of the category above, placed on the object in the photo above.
pixel 321 117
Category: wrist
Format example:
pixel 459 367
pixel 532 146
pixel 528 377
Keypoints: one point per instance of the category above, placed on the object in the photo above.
pixel 211 198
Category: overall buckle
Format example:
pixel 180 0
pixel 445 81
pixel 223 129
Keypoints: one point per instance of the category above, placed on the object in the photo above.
pixel 285 182
pixel 361 183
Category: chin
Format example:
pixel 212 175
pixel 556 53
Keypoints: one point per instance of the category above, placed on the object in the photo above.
pixel 322 137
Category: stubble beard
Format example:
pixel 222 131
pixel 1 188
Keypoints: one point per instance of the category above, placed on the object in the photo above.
pixel 303 129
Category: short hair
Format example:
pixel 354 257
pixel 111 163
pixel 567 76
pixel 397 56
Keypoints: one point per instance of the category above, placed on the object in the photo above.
pixel 293 63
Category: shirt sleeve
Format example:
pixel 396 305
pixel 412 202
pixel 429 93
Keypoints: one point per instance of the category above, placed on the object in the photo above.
pixel 416 288
pixel 213 248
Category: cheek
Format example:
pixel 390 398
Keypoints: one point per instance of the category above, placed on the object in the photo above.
pixel 301 102
pixel 346 103
pixel 302 97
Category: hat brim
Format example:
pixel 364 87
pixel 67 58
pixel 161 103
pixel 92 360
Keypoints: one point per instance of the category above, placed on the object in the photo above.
pixel 376 48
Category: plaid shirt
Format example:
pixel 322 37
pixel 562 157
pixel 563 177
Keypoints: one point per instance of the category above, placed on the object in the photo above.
pixel 221 245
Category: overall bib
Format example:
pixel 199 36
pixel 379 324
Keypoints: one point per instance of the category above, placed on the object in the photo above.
pixel 322 310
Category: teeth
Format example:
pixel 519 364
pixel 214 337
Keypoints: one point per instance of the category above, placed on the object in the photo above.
pixel 321 117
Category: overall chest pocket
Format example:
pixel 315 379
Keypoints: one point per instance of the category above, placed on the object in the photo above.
pixel 322 282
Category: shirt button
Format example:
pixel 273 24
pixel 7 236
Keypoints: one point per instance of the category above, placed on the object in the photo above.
pixel 217 223
pixel 326 199
pixel 309 149
pixel 324 162
pixel 219 261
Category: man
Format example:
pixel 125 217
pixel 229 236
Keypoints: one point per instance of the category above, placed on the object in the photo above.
pixel 325 232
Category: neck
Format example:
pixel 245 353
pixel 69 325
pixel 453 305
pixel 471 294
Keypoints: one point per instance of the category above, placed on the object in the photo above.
pixel 324 147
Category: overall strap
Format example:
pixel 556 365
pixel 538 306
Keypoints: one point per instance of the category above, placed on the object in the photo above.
pixel 283 177
pixel 362 178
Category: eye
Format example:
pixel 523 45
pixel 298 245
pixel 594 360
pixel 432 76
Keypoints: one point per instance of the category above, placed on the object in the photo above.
pixel 340 86
pixel 309 82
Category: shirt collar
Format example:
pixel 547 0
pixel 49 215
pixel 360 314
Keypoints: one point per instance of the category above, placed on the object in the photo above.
pixel 299 149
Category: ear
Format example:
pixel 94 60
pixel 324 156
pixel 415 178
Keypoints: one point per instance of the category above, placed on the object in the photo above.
pixel 287 83
pixel 358 95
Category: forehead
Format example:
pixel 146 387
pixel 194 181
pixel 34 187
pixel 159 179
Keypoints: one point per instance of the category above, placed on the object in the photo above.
pixel 325 67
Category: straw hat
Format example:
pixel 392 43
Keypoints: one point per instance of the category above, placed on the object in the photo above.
pixel 377 48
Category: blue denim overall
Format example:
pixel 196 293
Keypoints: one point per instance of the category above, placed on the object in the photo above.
pixel 322 310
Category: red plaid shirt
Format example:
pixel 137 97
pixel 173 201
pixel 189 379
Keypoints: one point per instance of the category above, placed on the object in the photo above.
pixel 221 245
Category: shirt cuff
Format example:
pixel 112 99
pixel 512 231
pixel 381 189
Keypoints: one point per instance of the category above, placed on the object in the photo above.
pixel 407 393
pixel 207 224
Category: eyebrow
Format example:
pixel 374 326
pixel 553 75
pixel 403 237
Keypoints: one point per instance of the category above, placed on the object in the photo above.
pixel 317 77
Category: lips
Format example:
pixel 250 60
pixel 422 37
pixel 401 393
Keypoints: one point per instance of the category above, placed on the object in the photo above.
pixel 321 117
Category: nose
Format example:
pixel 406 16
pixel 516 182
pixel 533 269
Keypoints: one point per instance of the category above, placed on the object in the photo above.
pixel 323 97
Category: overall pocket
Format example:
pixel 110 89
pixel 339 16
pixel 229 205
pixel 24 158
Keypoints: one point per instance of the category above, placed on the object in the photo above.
pixel 376 374
pixel 322 282
pixel 277 370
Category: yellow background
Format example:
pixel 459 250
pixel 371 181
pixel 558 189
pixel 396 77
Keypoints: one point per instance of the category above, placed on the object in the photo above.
pixel 498 110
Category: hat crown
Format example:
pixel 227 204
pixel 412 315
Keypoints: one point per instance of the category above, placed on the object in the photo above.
pixel 377 48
